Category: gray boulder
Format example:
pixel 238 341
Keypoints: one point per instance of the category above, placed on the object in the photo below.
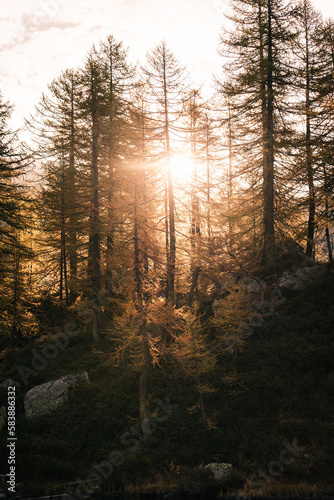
pixel 297 280
pixel 220 470
pixel 290 281
pixel 311 273
pixel 46 398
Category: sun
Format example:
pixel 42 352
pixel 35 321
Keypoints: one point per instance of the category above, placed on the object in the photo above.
pixel 182 167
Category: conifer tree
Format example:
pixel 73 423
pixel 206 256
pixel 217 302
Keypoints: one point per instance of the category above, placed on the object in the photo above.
pixel 258 78
pixel 167 81
pixel 13 220
pixel 311 69
pixel 325 134
pixel 80 127
pixel 119 83
pixel 57 130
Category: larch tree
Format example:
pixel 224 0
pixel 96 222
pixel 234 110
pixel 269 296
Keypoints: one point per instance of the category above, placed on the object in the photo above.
pixel 311 69
pixel 192 113
pixel 57 133
pixel 13 220
pixel 142 294
pixel 325 135
pixel 119 82
pixel 167 81
pixel 92 106
pixel 106 80
pixel 258 77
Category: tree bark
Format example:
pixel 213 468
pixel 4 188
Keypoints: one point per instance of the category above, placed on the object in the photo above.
pixel 171 206
pixel 95 220
pixel 193 286
pixel 73 257
pixel 328 236
pixel 208 180
pixel 16 287
pixel 230 178
pixel 195 229
pixel 94 264
pixel 269 245
pixel 309 166
pixel 143 381
pixel 110 235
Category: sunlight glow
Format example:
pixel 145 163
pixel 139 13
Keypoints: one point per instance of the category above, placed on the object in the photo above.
pixel 182 167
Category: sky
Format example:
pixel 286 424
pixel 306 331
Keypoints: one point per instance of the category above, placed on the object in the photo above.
pixel 41 38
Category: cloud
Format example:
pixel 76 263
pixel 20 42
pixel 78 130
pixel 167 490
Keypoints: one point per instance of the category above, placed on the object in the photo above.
pixel 20 31
pixel 43 37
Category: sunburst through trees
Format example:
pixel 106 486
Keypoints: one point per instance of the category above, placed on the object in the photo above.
pixel 151 192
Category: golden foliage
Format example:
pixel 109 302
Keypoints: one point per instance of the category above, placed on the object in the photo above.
pixel 232 318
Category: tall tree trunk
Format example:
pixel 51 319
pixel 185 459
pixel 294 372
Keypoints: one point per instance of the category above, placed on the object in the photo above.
pixel 61 269
pixel 269 245
pixel 95 218
pixel 172 237
pixel 110 235
pixel 171 205
pixel 95 191
pixel 208 180
pixel 16 287
pixel 73 257
pixel 194 281
pixel 138 279
pixel 62 229
pixel 63 264
pixel 309 166
pixel 144 377
pixel 143 381
pixel 63 254
pixel 94 236
pixel 254 215
pixel 144 188
pixel 195 229
pixel 328 236
pixel 230 177
pixel 201 401
pixel 167 235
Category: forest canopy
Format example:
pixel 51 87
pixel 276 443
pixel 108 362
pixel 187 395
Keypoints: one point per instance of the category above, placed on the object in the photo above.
pixel 140 198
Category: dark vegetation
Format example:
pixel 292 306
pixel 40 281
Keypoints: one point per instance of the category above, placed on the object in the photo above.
pixel 279 387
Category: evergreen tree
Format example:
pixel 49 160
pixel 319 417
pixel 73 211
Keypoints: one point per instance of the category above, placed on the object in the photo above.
pixel 57 129
pixel 311 69
pixel 167 81
pixel 324 136
pixel 119 83
pixel 258 79
pixel 14 219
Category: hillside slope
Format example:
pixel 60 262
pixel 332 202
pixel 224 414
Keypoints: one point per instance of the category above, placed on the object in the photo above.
pixel 271 414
